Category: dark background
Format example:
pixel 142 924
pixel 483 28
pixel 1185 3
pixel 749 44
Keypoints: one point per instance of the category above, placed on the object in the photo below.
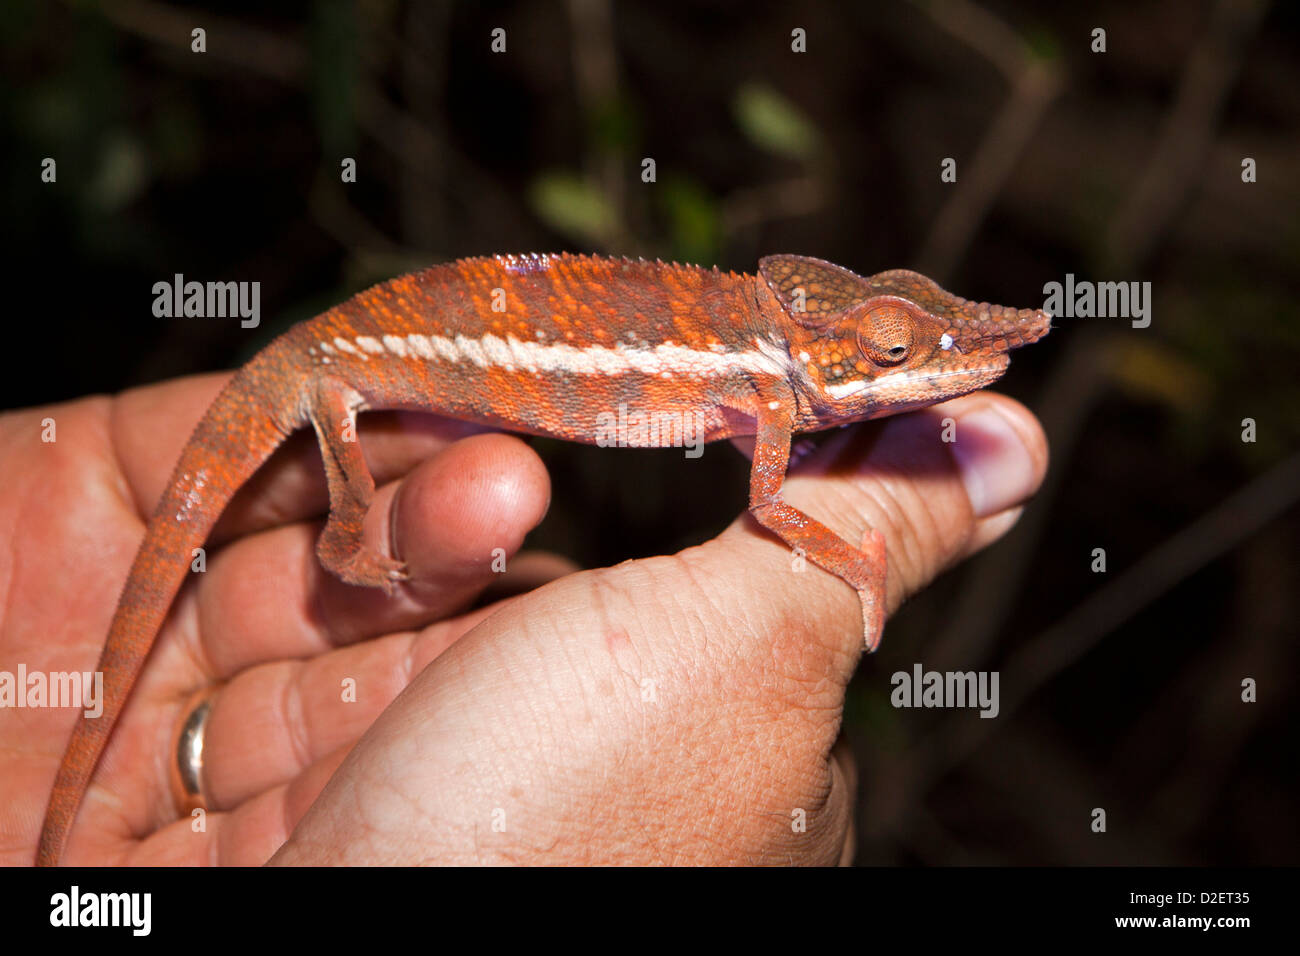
pixel 1119 690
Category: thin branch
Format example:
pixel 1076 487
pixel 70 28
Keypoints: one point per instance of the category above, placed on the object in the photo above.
pixel 1185 139
pixel 1035 83
pixel 1213 534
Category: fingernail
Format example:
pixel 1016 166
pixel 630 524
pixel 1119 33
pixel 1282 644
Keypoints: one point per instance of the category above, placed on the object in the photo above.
pixel 994 464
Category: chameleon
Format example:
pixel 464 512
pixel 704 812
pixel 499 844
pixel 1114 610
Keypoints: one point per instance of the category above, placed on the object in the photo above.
pixel 551 345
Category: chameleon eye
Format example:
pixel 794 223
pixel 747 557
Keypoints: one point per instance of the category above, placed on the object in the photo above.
pixel 885 335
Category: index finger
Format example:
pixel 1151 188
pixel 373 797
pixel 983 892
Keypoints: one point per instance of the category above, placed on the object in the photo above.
pixel 150 425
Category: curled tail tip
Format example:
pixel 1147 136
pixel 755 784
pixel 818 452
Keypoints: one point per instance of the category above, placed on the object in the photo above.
pixel 47 855
pixel 53 833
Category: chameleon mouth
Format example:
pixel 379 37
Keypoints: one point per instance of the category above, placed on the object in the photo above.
pixel 908 385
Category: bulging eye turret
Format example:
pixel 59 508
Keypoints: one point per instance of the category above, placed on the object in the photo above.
pixel 885 334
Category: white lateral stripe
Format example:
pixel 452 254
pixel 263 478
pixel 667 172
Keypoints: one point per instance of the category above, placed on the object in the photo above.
pixel 493 351
pixel 420 343
pixel 497 351
pixel 846 389
pixel 471 349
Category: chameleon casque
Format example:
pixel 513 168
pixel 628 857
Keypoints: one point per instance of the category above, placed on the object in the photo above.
pixel 546 344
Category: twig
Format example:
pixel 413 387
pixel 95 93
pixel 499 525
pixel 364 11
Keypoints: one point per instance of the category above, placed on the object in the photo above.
pixel 1171 173
pixel 1035 83
pixel 1213 534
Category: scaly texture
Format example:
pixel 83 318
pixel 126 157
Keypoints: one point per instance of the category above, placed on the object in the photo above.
pixel 565 346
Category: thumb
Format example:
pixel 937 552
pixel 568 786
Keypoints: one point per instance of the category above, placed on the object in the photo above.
pixel 939 484
pixel 745 653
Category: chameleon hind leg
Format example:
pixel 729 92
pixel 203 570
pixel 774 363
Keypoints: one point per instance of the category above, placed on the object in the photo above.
pixel 341 548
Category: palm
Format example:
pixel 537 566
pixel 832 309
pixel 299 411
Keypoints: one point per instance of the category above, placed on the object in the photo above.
pixel 263 618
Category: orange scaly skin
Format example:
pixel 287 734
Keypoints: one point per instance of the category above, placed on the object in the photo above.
pixel 555 345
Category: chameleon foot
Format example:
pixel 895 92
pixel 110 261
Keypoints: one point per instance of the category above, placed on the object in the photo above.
pixel 363 567
pixel 873 597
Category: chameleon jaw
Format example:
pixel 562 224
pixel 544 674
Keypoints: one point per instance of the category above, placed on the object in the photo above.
pixel 905 390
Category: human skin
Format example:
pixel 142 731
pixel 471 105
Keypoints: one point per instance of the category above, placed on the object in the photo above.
pixel 680 709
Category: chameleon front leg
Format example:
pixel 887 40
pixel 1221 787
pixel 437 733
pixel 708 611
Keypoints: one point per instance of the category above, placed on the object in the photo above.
pixel 863 569
pixel 333 411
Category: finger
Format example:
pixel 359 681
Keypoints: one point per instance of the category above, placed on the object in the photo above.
pixel 298 712
pixel 933 503
pixel 269 723
pixel 255 829
pixel 456 520
pixel 244 835
pixel 1000 453
pixel 151 424
pixel 990 529
pixel 291 485
pixel 927 481
pixel 528 571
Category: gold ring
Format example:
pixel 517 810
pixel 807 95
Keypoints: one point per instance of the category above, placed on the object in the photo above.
pixel 187 748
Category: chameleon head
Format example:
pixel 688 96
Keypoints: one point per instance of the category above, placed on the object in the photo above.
pixel 874 346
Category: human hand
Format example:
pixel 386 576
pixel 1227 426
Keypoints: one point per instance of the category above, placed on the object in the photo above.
pixel 677 709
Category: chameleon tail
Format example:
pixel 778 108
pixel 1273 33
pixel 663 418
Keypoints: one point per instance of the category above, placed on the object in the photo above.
pixel 235 436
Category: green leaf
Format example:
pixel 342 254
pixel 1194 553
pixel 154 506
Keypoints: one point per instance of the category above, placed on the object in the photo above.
pixel 694 221
pixel 775 123
pixel 572 206
pixel 121 174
